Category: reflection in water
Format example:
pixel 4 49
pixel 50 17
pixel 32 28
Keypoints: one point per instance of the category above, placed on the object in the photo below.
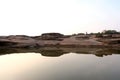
pixel 32 66
pixel 52 53
pixel 77 64
pixel 56 52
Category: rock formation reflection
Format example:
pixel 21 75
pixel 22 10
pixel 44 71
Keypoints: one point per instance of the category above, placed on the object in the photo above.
pixel 56 52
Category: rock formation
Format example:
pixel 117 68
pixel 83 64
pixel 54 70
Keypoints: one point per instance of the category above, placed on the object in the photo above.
pixel 57 40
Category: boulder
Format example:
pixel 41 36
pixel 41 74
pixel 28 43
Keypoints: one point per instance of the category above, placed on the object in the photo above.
pixel 51 36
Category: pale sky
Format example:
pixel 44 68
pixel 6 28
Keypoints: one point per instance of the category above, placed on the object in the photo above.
pixel 33 17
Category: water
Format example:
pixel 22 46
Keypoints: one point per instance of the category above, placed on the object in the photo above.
pixel 58 64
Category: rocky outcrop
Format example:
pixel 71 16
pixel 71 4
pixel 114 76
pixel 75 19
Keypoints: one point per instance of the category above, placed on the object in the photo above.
pixel 51 36
pixel 54 39
pixel 17 41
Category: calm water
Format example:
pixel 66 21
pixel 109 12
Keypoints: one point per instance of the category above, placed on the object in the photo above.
pixel 60 66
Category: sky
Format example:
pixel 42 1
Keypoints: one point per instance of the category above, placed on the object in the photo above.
pixel 34 17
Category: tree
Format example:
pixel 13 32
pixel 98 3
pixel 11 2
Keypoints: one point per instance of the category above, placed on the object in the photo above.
pixel 110 32
pixel 99 35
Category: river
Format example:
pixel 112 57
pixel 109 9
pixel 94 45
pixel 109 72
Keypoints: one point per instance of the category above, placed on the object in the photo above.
pixel 52 65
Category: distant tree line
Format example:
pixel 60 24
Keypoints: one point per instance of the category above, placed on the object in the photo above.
pixel 100 34
pixel 107 32
pixel 110 32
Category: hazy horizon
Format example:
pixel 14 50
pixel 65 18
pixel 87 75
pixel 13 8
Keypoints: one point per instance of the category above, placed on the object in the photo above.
pixel 34 17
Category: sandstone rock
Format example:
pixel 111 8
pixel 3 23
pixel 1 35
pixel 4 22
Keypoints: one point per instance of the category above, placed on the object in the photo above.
pixel 51 36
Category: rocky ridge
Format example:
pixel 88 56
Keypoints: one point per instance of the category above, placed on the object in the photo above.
pixel 57 40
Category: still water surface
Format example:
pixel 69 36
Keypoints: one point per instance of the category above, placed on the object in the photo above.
pixel 70 66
